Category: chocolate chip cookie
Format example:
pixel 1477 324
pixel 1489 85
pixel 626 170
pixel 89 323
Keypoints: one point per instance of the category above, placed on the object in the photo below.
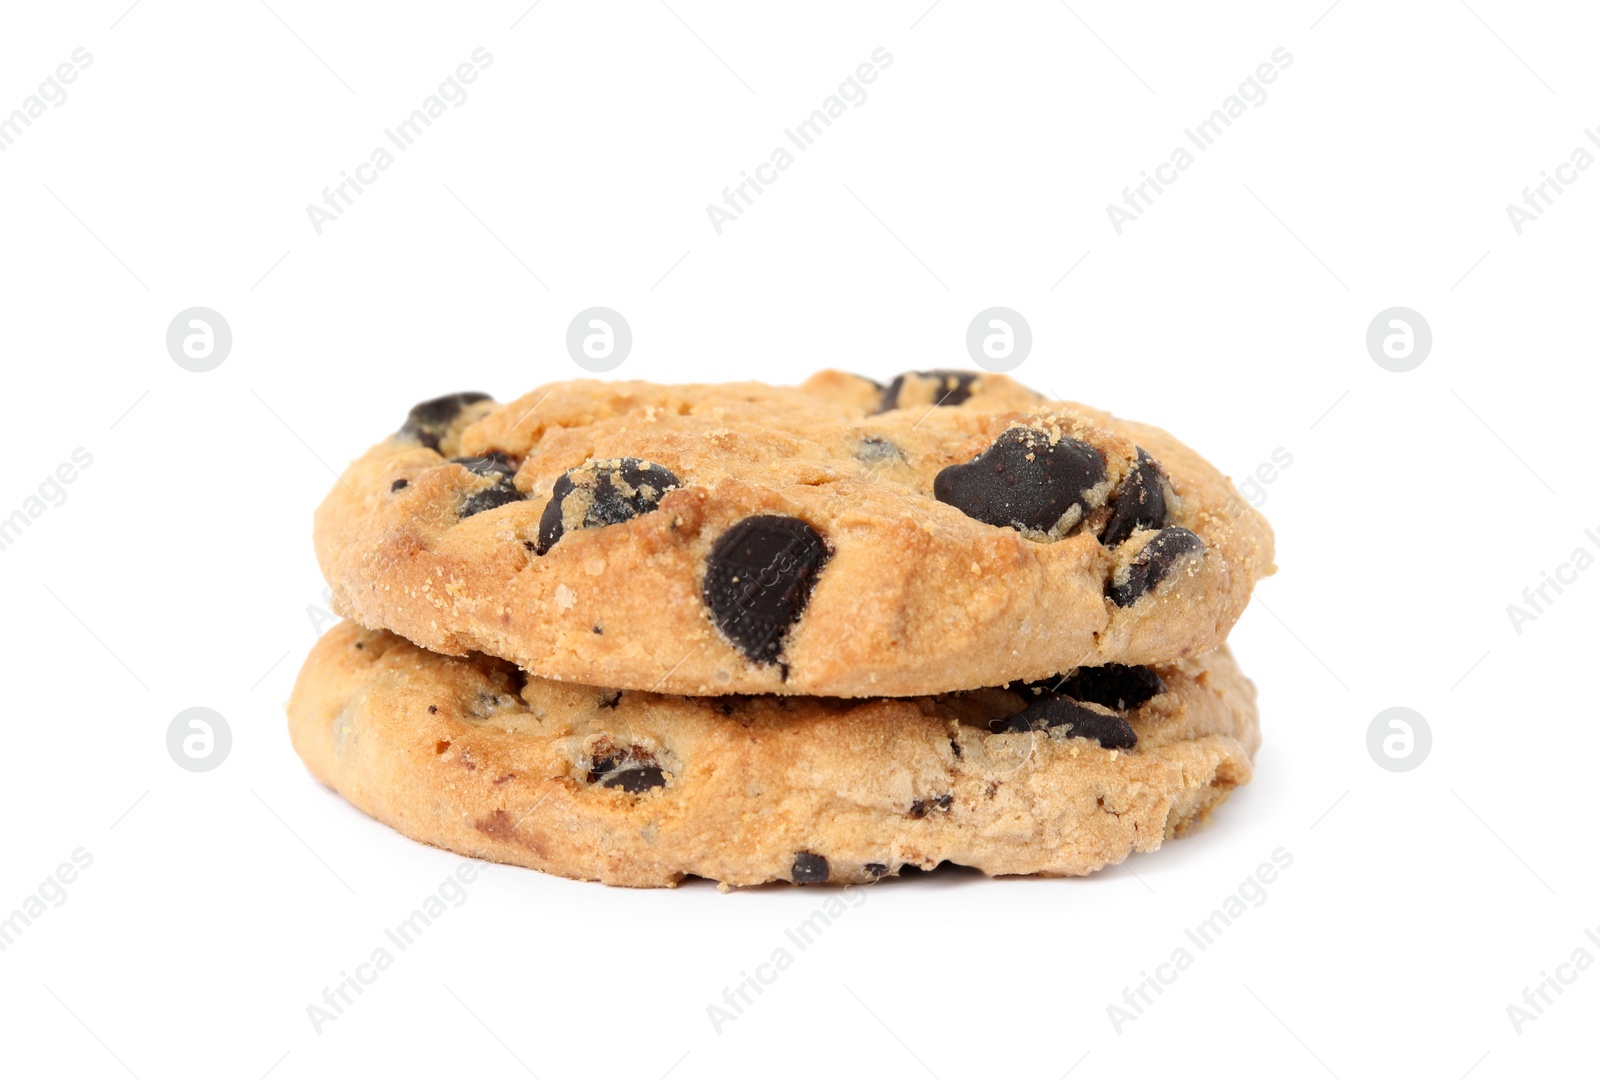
pixel 949 531
pixel 636 788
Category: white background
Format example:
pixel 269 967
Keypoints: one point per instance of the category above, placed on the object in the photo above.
pixel 179 570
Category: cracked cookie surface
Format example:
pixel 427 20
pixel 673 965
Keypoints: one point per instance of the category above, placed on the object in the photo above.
pixel 951 531
pixel 642 789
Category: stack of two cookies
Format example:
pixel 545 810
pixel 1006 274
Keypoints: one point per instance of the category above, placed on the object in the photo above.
pixel 633 632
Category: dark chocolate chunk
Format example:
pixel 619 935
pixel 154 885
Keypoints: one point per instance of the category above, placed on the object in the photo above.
pixel 875 869
pixel 1114 733
pixel 1023 481
pixel 954 388
pixel 604 765
pixel 1116 686
pixel 759 578
pixel 921 807
pixel 489 498
pixel 1051 710
pixel 1061 716
pixel 1154 563
pixel 399 485
pixel 428 421
pixel 1140 502
pixel 809 869
pixel 631 768
pixel 497 467
pixel 612 491
pixel 636 780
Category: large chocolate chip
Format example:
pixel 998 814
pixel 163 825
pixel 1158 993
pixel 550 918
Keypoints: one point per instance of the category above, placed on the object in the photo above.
pixel 1153 563
pixel 1060 715
pixel 1140 502
pixel 1116 686
pixel 809 869
pixel 1111 732
pixel 636 780
pixel 489 499
pixel 428 421
pixel 951 388
pixel 759 578
pixel 1025 481
pixel 633 769
pixel 606 765
pixel 603 492
pixel 500 469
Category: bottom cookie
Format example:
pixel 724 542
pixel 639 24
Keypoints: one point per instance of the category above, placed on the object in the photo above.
pixel 644 789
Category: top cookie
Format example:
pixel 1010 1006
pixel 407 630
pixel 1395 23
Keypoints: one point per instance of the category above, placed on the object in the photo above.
pixel 951 531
